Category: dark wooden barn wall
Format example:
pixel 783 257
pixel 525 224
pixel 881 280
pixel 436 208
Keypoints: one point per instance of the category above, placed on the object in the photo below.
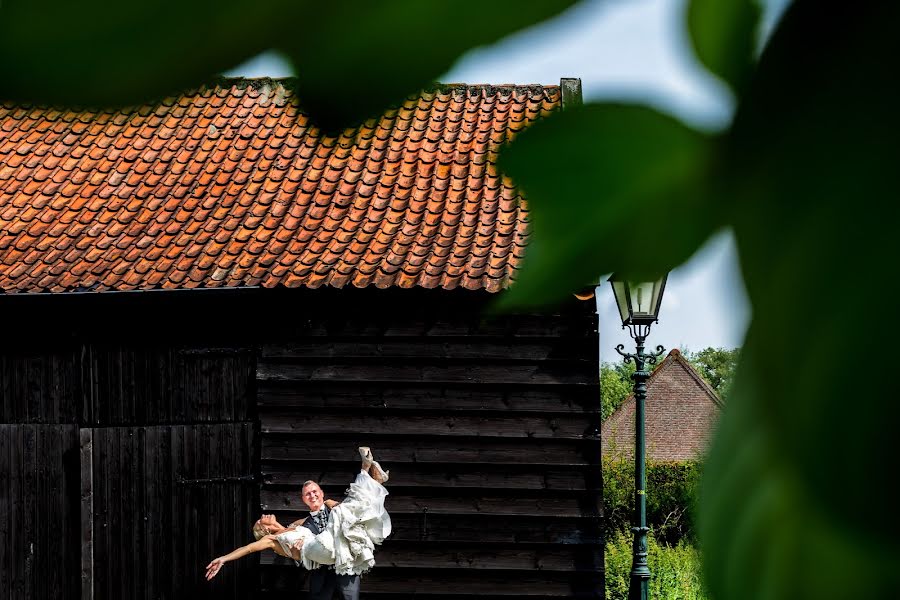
pixel 127 462
pixel 490 429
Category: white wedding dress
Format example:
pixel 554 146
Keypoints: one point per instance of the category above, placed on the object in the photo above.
pixel 355 527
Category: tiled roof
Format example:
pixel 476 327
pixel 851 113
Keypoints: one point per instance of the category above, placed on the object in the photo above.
pixel 231 185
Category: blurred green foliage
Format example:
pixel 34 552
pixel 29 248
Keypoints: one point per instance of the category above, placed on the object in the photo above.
pixel 724 36
pixel 806 176
pixel 352 58
pixel 625 189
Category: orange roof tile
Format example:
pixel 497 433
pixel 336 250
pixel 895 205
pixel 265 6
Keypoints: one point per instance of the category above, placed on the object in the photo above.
pixel 231 185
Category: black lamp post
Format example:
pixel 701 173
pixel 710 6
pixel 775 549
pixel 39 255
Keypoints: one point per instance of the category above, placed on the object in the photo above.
pixel 638 304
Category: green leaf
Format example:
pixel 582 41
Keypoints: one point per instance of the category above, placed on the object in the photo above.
pixel 103 52
pixel 609 188
pixel 723 34
pixel 795 501
pixel 764 533
pixel 355 57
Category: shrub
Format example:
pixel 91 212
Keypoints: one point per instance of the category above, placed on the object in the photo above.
pixel 671 490
pixel 675 571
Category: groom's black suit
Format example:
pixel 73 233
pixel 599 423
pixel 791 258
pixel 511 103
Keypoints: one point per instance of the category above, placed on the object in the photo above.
pixel 324 582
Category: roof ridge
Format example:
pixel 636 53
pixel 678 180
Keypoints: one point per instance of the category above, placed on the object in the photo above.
pixel 676 356
pixel 679 357
pixel 292 81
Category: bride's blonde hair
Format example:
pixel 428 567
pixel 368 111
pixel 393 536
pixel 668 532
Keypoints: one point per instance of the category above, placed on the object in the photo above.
pixel 259 530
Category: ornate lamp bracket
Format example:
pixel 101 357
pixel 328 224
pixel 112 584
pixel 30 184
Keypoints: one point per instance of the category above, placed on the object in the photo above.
pixel 639 333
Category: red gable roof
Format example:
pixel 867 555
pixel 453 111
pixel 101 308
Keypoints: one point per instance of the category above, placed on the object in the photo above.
pixel 230 185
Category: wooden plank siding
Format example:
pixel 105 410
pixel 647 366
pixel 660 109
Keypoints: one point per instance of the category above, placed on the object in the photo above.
pixel 159 382
pixel 166 500
pixel 39 512
pixel 106 383
pixel 127 461
pixel 490 428
pixel 42 384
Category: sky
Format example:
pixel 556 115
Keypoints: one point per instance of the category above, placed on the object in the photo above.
pixel 634 50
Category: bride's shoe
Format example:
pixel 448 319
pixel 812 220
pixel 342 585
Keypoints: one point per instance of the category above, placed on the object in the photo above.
pixel 366 454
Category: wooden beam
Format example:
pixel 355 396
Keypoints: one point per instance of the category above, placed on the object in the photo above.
pixel 571 92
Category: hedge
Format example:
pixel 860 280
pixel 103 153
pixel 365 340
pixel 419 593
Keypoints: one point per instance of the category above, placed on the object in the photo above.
pixel 671 490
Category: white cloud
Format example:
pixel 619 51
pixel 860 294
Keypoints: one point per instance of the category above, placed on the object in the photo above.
pixel 621 50
pixel 267 64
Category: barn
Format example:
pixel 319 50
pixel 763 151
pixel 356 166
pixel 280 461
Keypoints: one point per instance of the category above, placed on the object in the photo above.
pixel 207 301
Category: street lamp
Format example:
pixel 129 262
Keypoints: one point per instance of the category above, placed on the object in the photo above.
pixel 638 304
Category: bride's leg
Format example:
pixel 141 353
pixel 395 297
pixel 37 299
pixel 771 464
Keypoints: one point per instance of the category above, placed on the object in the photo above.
pixel 297 549
pixel 376 473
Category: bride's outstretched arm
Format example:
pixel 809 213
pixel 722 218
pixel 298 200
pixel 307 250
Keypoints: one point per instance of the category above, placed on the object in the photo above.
pixel 266 543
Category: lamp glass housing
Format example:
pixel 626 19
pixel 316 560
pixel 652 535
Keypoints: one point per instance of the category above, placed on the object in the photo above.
pixel 638 301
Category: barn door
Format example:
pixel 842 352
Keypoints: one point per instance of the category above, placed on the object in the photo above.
pixel 39 512
pixel 165 500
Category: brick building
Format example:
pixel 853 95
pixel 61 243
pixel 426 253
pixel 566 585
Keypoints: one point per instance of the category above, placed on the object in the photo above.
pixel 681 413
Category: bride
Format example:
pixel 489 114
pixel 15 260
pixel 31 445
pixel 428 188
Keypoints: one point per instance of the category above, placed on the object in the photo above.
pixel 355 527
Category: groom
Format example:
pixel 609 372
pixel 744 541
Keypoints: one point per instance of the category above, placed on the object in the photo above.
pixel 324 583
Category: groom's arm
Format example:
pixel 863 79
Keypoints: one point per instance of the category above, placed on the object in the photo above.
pixel 299 522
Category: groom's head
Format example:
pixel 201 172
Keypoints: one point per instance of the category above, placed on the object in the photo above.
pixel 312 497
